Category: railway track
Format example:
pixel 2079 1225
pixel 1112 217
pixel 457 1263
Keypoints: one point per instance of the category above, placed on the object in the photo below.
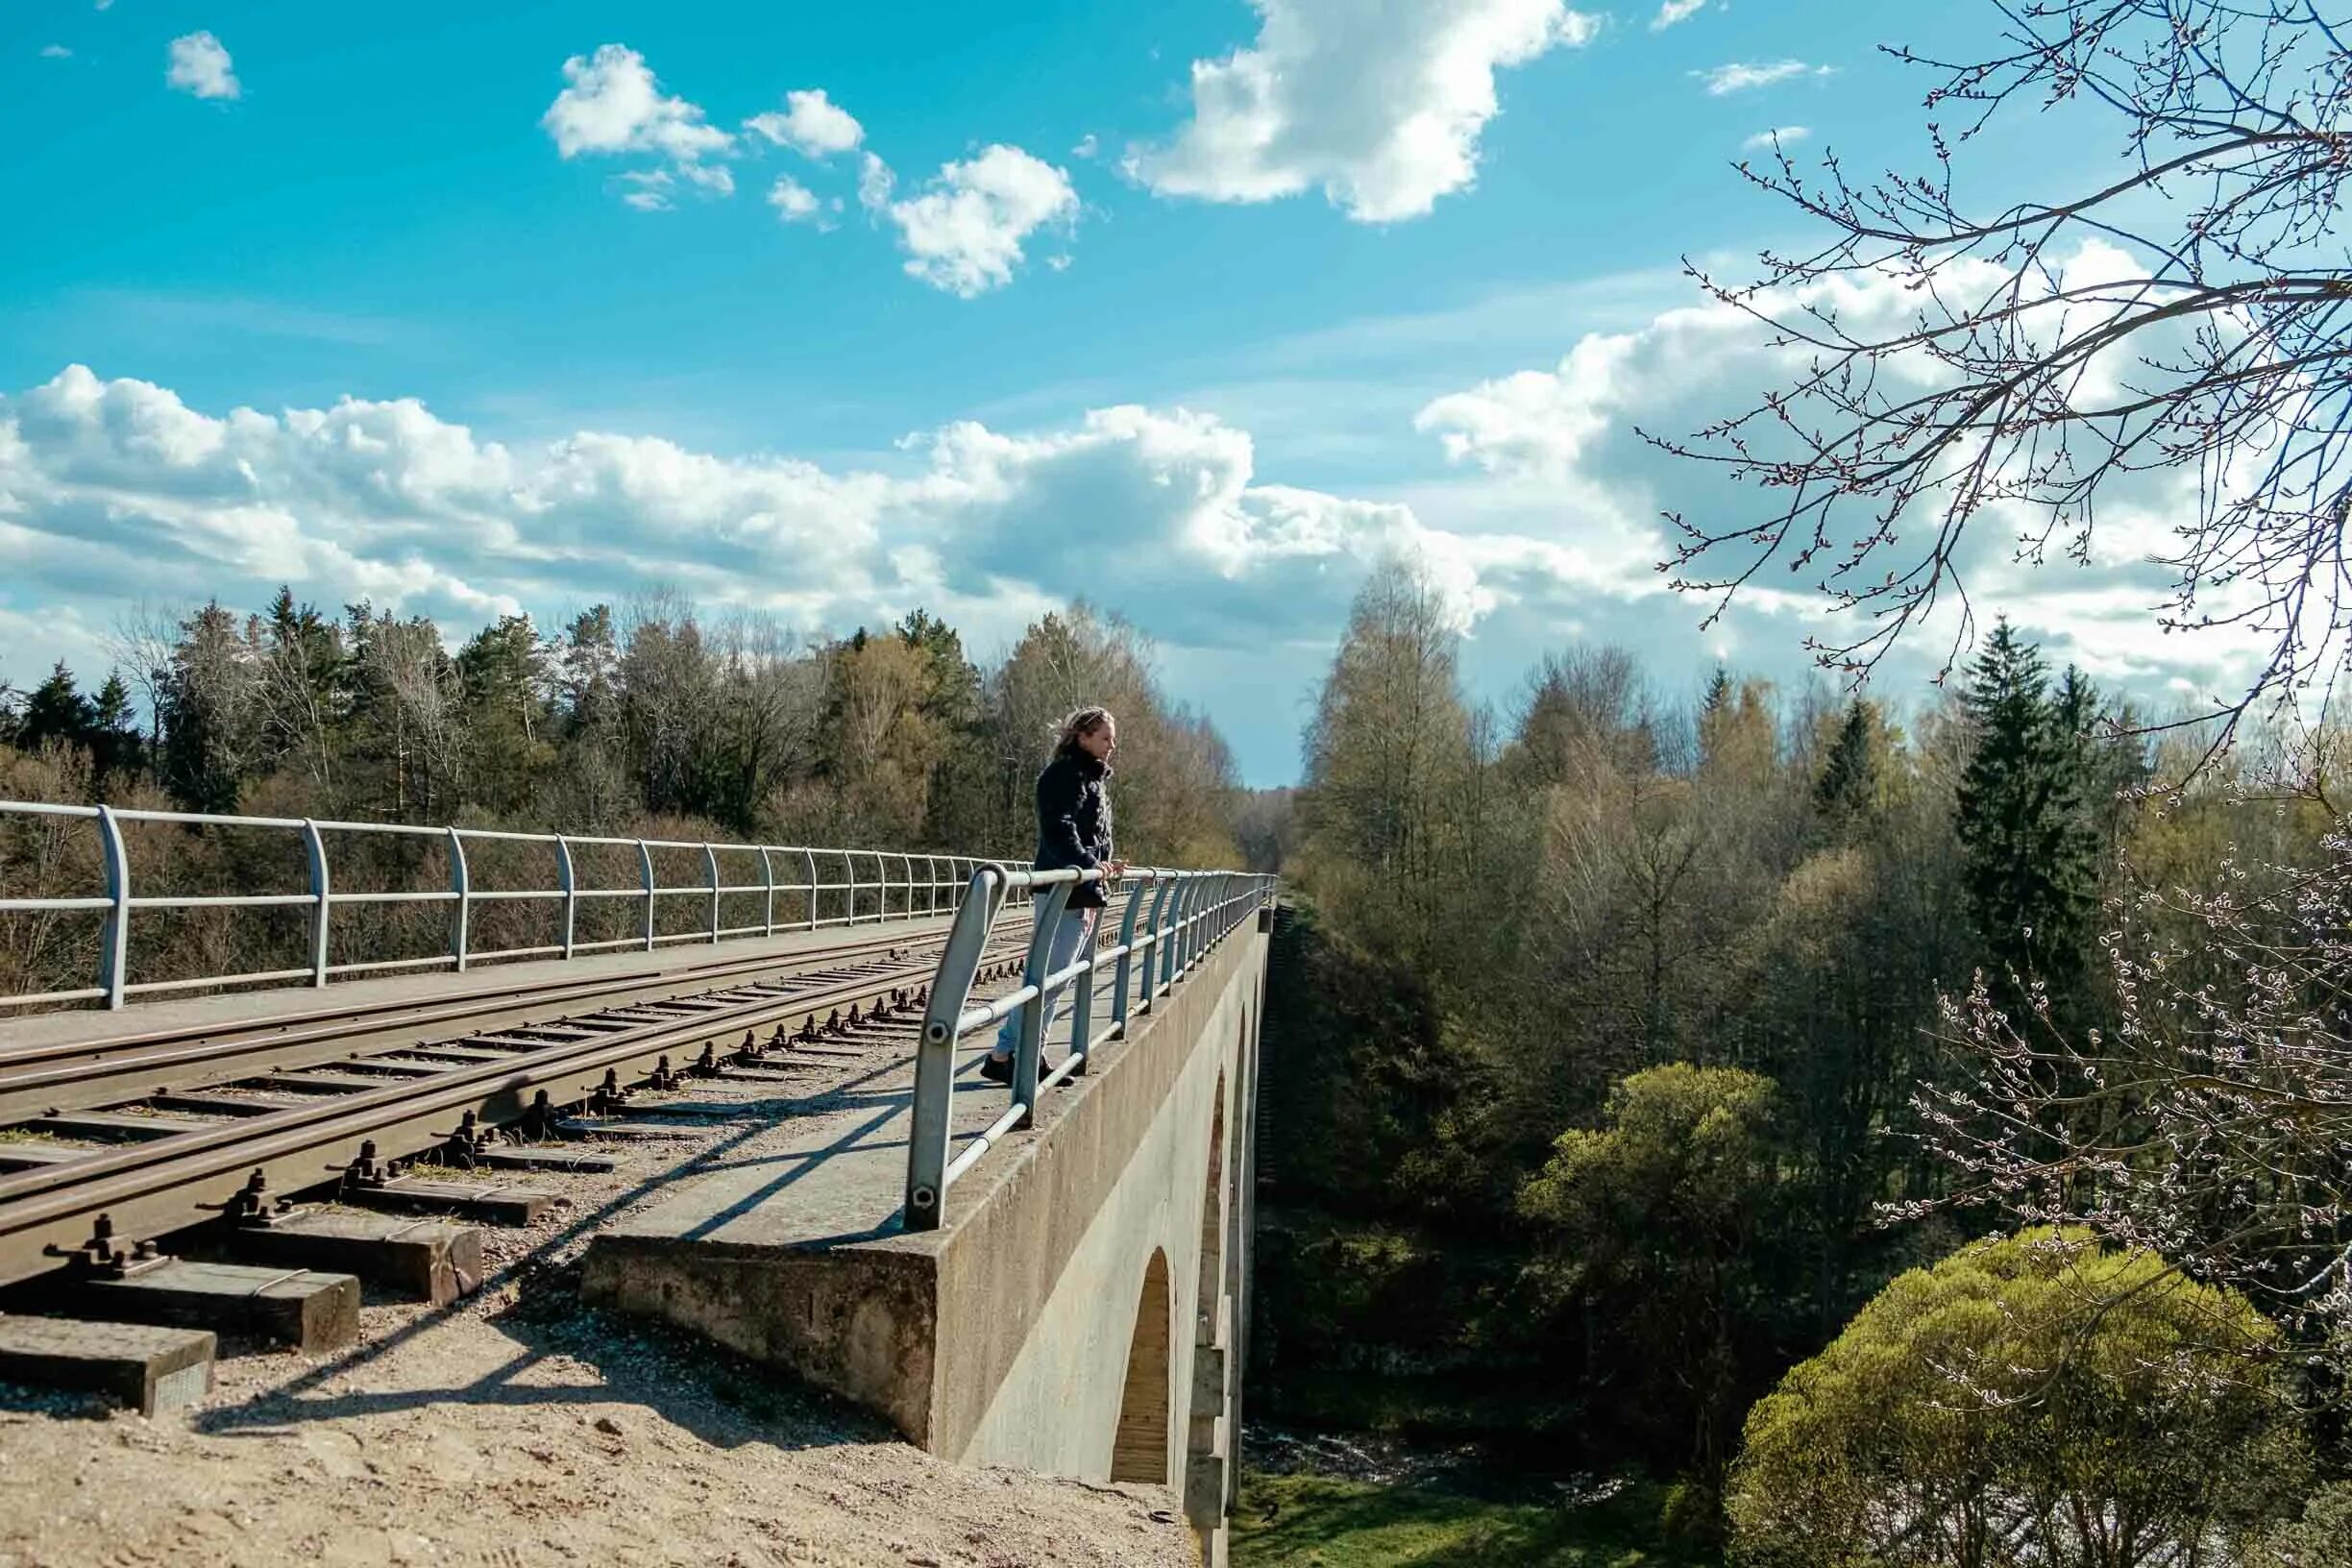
pixel 109 1147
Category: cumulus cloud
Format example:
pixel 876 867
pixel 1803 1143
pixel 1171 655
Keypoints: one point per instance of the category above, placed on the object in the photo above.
pixel 1673 11
pixel 1547 531
pixel 876 182
pixel 201 66
pixel 1385 112
pixel 1572 433
pixel 811 125
pixel 795 203
pixel 111 491
pixel 1722 81
pixel 1088 146
pixel 1780 135
pixel 612 105
pixel 964 232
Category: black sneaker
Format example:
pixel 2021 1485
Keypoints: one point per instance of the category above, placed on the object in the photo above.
pixel 996 1069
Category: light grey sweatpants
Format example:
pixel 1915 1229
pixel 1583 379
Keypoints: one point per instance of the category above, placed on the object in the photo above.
pixel 1069 938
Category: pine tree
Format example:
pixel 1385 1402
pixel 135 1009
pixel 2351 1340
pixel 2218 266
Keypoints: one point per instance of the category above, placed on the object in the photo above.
pixel 2031 856
pixel 114 738
pixel 1849 783
pixel 57 711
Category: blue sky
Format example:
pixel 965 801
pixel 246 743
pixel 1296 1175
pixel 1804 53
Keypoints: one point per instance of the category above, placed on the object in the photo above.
pixel 1190 309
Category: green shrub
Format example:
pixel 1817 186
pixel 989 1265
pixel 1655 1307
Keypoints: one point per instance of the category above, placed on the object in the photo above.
pixel 2027 1400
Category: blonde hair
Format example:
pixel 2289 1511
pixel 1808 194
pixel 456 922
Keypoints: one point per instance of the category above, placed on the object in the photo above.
pixel 1084 722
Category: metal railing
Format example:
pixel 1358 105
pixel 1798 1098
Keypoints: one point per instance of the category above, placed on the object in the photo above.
pixel 1170 922
pixel 825 894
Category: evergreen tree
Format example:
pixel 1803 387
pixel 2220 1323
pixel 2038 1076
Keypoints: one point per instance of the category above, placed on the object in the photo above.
pixel 1849 783
pixel 2031 857
pixel 114 738
pixel 57 711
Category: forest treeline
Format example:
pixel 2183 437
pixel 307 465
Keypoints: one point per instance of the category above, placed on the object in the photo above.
pixel 651 718
pixel 1603 1096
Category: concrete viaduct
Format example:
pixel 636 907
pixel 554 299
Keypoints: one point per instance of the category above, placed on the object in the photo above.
pixel 1081 1308
pixel 1053 1278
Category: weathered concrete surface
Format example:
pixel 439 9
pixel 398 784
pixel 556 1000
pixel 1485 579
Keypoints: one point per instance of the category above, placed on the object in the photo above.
pixel 1011 1336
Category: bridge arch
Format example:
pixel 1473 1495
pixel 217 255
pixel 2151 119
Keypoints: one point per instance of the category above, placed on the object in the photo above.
pixel 1213 1227
pixel 1140 1452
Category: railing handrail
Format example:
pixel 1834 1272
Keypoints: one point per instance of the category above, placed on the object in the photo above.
pixel 1190 912
pixel 938 890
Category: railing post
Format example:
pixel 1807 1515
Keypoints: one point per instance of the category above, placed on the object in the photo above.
pixel 935 1057
pixel 461 883
pixel 1082 1005
pixel 810 856
pixel 1181 948
pixel 1156 959
pixel 710 858
pixel 568 887
pixel 314 848
pixel 849 871
pixel 1125 973
pixel 1045 915
pixel 645 874
pixel 768 877
pixel 1157 974
pixel 114 940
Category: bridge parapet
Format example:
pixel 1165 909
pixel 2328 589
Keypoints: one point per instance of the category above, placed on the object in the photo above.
pixel 1190 912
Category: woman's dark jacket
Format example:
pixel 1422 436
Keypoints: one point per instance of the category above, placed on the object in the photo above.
pixel 1074 821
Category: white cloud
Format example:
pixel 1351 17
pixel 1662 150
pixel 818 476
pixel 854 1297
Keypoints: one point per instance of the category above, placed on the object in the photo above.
pixel 649 190
pixel 611 104
pixel 1547 530
pixel 875 183
pixel 1781 136
pixel 200 66
pixel 964 234
pixel 56 51
pixel 1673 11
pixel 112 491
pixel 811 125
pixel 1383 111
pixel 1569 438
pixel 795 203
pixel 1088 146
pixel 1723 79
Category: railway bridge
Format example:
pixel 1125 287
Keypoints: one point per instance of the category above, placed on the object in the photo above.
pixel 381 1039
